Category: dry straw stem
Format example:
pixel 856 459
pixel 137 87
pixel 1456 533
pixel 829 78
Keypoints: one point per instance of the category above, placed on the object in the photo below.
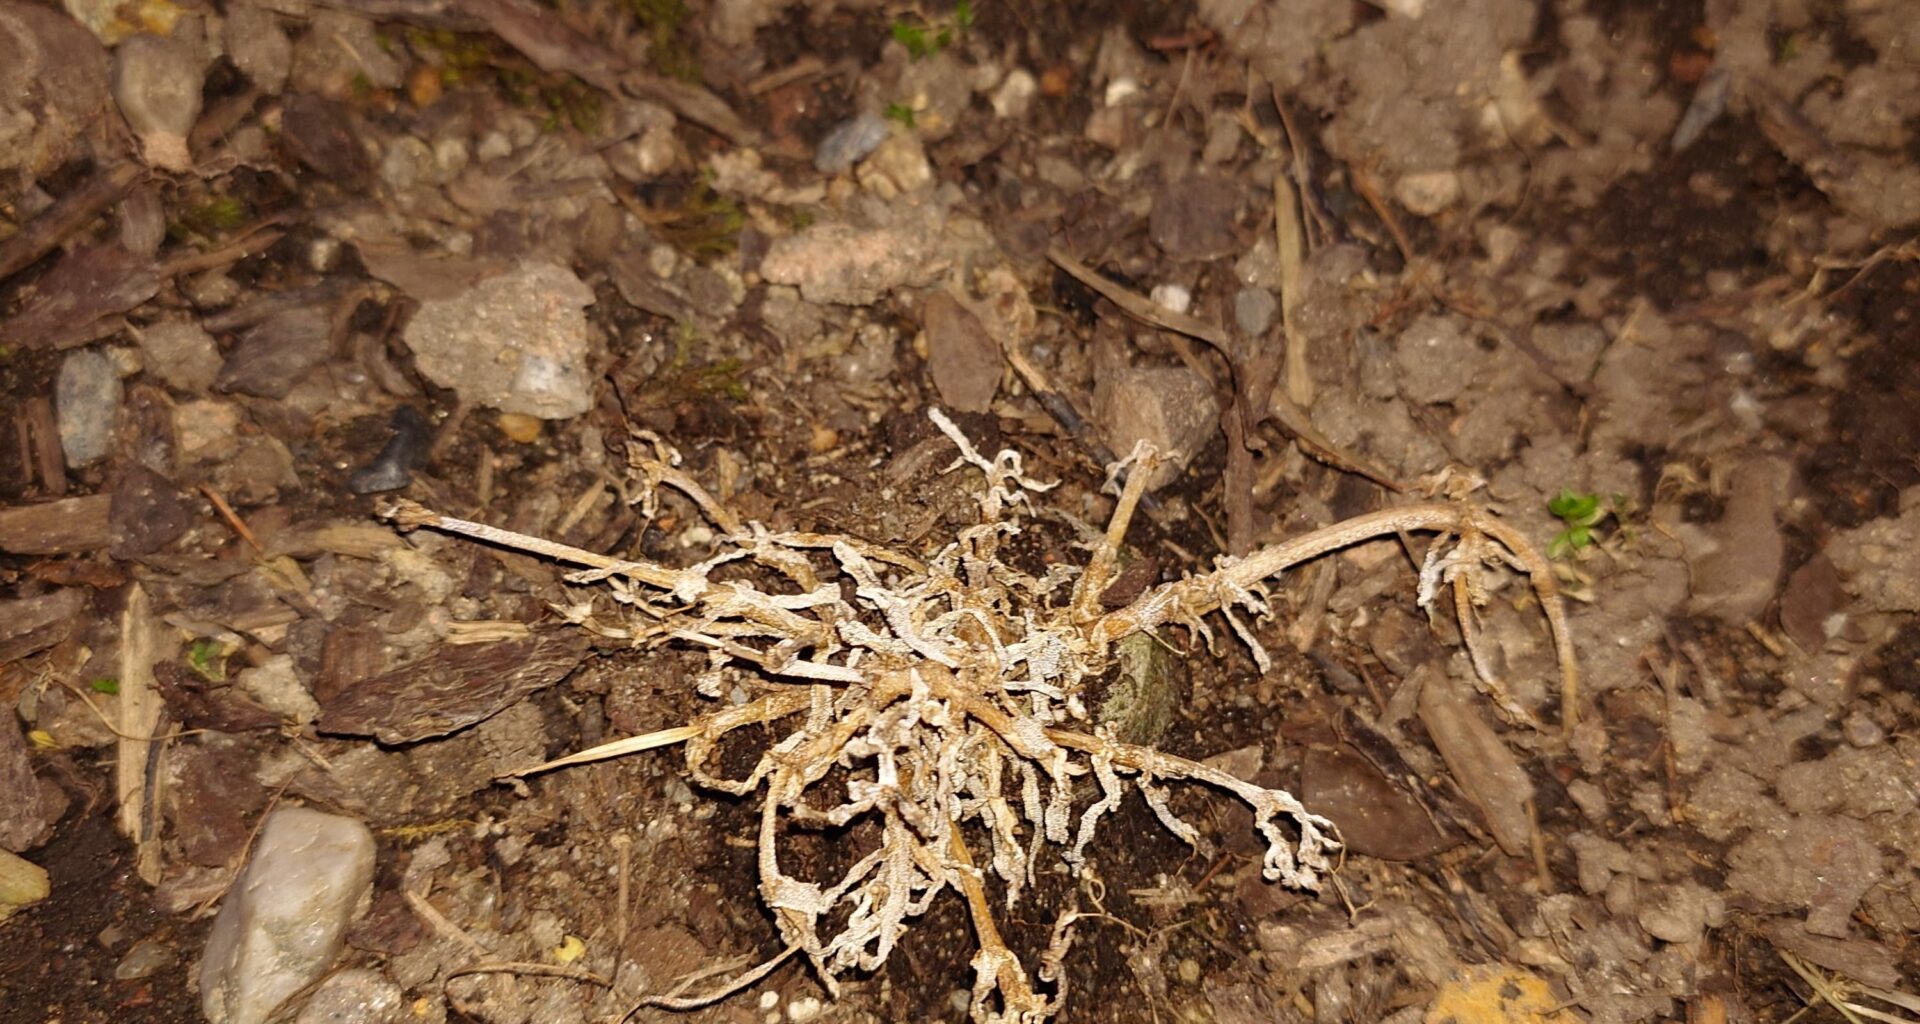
pixel 932 712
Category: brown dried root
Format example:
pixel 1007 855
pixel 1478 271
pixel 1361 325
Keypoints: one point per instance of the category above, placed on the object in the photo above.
pixel 945 699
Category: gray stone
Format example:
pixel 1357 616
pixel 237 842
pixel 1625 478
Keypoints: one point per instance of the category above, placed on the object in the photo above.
pixel 285 919
pixel 1881 560
pixel 1437 360
pixel 157 82
pixel 518 341
pixel 258 46
pixel 181 353
pixel 1253 310
pixel 850 142
pixel 86 397
pixel 357 996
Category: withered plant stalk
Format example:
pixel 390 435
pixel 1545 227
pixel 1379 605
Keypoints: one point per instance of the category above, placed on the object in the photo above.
pixel 945 699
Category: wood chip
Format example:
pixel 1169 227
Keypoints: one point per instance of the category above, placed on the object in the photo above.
pixel 454 687
pixel 64 527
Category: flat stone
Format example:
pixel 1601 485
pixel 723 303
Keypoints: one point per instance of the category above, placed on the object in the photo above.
pixel 356 996
pixel 1171 408
pixel 962 357
pixel 1197 218
pixel 285 919
pixel 276 353
pixel 1736 562
pixel 86 396
pixel 181 353
pixel 854 264
pixel 517 341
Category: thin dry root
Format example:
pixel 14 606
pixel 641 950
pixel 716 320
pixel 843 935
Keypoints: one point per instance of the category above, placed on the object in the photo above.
pixel 923 700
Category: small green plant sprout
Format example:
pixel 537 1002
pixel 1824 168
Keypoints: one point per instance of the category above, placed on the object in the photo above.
pixel 923 37
pixel 1581 512
pixel 900 112
pixel 937 708
pixel 208 659
pixel 105 684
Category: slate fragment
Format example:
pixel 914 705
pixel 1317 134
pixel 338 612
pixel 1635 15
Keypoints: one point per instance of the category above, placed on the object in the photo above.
pixel 1376 817
pixel 452 688
pixel 963 358
pixel 29 807
pixel 271 358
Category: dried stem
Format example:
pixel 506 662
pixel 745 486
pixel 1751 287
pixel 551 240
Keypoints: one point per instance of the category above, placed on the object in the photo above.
pixel 940 699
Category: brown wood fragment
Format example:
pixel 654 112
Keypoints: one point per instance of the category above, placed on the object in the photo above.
pixel 67 216
pixel 454 687
pixel 1486 769
pixel 141 636
pixel 62 527
pixel 48 460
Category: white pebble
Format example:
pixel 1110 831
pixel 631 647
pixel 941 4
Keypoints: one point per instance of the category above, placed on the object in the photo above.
pixel 1172 297
pixel 803 1009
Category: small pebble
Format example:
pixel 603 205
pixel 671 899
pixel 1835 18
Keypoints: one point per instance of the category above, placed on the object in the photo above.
pixel 1189 971
pixel 803 1009
pixel 824 439
pixel 144 960
pixel 424 85
pixel 1173 297
pixel 1121 90
pixel 850 143
pixel 769 1000
pixel 1253 310
pixel 959 999
pixel 1862 731
pixel 519 427
pixel 1015 95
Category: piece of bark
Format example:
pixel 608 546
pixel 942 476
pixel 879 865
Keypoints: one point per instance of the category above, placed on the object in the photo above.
pixel 49 460
pixel 1487 771
pixel 63 527
pixel 197 706
pixel 85 288
pixel 146 513
pixel 30 625
pixel 452 688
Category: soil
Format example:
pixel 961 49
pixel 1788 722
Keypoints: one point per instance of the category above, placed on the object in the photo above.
pixel 1516 281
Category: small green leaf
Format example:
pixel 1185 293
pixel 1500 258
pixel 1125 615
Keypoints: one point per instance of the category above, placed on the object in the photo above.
pixel 1573 508
pixel 963 15
pixel 105 684
pixel 900 112
pixel 208 658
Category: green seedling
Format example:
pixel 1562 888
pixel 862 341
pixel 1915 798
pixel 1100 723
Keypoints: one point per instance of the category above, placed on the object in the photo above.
pixel 105 684
pixel 900 112
pixel 208 660
pixel 923 37
pixel 1581 513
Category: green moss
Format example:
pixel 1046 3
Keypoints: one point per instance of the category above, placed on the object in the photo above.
pixel 705 224
pixel 670 51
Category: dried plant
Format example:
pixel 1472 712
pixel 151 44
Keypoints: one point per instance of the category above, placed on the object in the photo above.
pixel 944 700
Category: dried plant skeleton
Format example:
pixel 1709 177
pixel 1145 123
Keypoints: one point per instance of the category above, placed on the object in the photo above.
pixel 940 705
